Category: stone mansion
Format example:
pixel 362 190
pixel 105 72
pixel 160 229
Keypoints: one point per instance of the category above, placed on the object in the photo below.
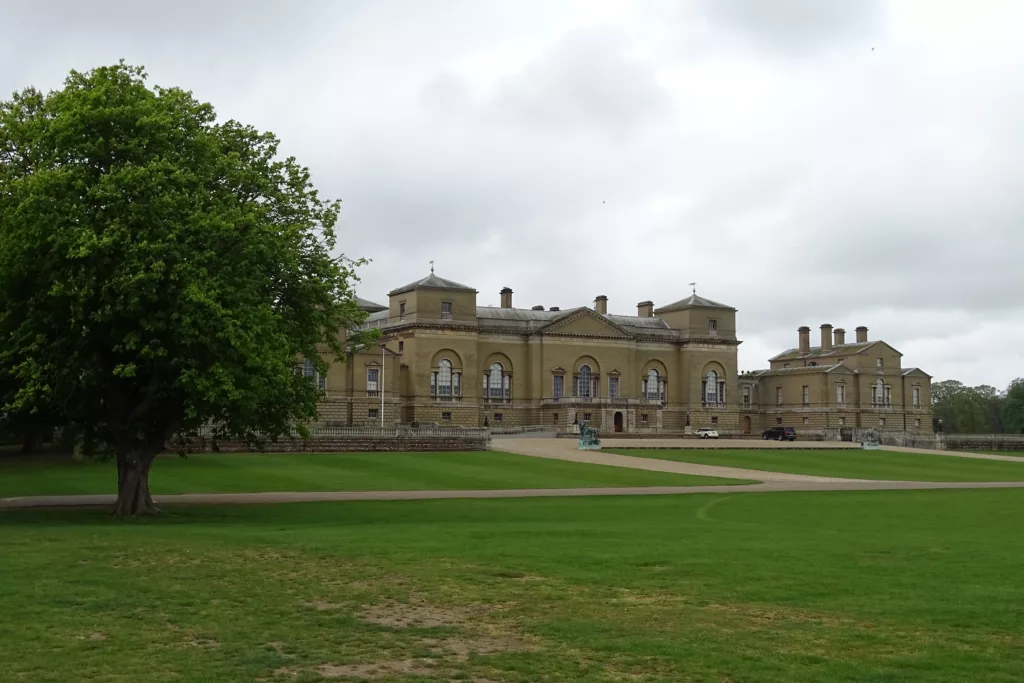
pixel 443 359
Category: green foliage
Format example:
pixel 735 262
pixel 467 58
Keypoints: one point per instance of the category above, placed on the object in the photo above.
pixel 158 269
pixel 1013 407
pixel 976 410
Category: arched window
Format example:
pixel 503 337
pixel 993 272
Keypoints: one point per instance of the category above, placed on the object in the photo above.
pixel 494 383
pixel 878 393
pixel 713 388
pixel 653 385
pixel 444 378
pixel 582 386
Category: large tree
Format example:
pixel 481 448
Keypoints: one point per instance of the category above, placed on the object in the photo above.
pixel 1013 407
pixel 159 270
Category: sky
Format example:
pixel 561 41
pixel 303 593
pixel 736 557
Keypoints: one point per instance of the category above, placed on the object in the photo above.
pixel 852 162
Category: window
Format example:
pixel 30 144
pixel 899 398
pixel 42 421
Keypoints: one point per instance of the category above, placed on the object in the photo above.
pixel 881 422
pixel 710 388
pixel 806 395
pixel 778 396
pixel 746 396
pixel 446 415
pixel 778 420
pixel 812 364
pixel 917 423
pixel 785 365
pixel 714 419
pixel 498 417
pixel 877 393
pixel 446 310
pixel 584 385
pixel 401 346
pixel 806 420
pixel 652 386
pixel 643 417
pixel 888 395
pixel 373 381
pixel 373 412
pixel 557 388
pixel 917 397
pixel 308 369
pixel 712 328
pixel 613 387
pixel 445 382
pixel 586 417
pixel 494 381
pixel 879 363
pixel 554 418
pixel 842 421
pixel 841 394
pixel 401 311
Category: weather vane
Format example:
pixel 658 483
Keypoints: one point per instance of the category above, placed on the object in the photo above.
pixel 431 267
pixel 694 285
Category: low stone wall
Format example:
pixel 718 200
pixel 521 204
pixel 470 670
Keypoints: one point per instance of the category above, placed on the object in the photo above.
pixel 984 442
pixel 346 441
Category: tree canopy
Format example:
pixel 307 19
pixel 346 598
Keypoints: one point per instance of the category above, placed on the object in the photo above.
pixel 159 270
pixel 979 410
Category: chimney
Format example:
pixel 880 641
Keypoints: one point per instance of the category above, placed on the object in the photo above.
pixel 840 335
pixel 645 309
pixel 601 304
pixel 537 308
pixel 805 339
pixel 862 334
pixel 826 337
pixel 554 308
pixel 506 297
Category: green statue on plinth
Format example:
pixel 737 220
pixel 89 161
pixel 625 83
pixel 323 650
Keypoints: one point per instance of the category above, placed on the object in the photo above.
pixel 589 440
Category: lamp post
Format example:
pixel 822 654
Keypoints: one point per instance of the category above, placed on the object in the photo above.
pixel 383 348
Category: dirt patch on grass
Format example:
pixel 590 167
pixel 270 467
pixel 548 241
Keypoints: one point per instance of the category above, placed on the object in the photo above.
pixel 419 615
pixel 203 643
pixel 413 667
pixel 323 605
pixel 462 648
pixel 94 635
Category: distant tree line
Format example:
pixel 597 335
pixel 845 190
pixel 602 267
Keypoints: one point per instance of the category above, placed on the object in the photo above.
pixel 979 410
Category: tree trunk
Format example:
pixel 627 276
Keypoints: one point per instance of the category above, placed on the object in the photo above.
pixel 133 483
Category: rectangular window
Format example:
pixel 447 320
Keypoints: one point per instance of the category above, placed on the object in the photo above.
pixel 373 412
pixel 888 395
pixel 879 363
pixel 714 419
pixel 841 394
pixel 446 310
pixel 746 396
pixel 806 395
pixel 401 346
pixel 554 418
pixel 778 396
pixel 446 415
pixel 433 384
pixel 456 384
pixel 712 328
pixel 558 386
pixel 842 420
pixel 806 420
pixel 917 397
pixel 586 417
pixel 917 423
pixel 401 311
pixel 643 417
pixel 372 381
pixel 881 422
pixel 498 417
pixel 778 420
pixel 613 387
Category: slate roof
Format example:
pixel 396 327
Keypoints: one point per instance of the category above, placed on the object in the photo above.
pixel 909 371
pixel 431 282
pixel 802 370
pixel 369 306
pixel 817 351
pixel 692 301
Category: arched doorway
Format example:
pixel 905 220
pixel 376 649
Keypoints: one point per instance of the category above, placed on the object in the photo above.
pixel 746 424
pixel 618 421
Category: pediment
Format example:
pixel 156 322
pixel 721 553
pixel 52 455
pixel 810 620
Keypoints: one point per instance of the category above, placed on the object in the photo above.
pixel 559 370
pixel 584 323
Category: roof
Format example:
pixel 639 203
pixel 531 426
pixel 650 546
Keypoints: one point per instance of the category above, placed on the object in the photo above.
pixel 802 370
pixel 817 351
pixel 912 371
pixel 369 306
pixel 431 282
pixel 692 301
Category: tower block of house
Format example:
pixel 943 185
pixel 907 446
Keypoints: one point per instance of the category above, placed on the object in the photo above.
pixel 670 369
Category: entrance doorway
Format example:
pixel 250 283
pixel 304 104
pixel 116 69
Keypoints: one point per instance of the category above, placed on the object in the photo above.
pixel 746 424
pixel 618 421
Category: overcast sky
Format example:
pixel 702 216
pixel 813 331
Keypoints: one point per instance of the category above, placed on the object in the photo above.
pixel 854 162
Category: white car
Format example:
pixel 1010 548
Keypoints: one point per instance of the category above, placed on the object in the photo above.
pixel 707 433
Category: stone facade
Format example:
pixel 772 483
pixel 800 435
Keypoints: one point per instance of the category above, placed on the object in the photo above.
pixel 445 360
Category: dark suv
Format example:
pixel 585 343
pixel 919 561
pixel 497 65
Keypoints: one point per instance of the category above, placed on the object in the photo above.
pixel 780 434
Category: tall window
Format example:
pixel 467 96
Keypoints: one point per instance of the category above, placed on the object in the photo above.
pixel 446 310
pixel 444 378
pixel 653 386
pixel 613 387
pixel 308 369
pixel 583 383
pixel 711 387
pixel 917 397
pixel 841 394
pixel 372 381
pixel 879 363
pixel 494 377
pixel 746 396
pixel 778 396
pixel 888 395
pixel 401 311
pixel 712 328
pixel 558 386
pixel 806 395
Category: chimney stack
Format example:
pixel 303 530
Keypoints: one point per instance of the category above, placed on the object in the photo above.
pixel 862 334
pixel 645 309
pixel 601 304
pixel 805 339
pixel 826 337
pixel 506 297
pixel 840 335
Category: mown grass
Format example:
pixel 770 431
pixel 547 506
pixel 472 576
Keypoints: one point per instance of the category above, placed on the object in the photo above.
pixel 840 586
pixel 852 464
pixel 235 473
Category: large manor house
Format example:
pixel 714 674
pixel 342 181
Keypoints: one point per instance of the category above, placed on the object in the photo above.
pixel 445 360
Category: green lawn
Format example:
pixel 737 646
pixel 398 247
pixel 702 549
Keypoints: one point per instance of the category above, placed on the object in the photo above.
pixel 853 464
pixel 223 473
pixel 866 587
